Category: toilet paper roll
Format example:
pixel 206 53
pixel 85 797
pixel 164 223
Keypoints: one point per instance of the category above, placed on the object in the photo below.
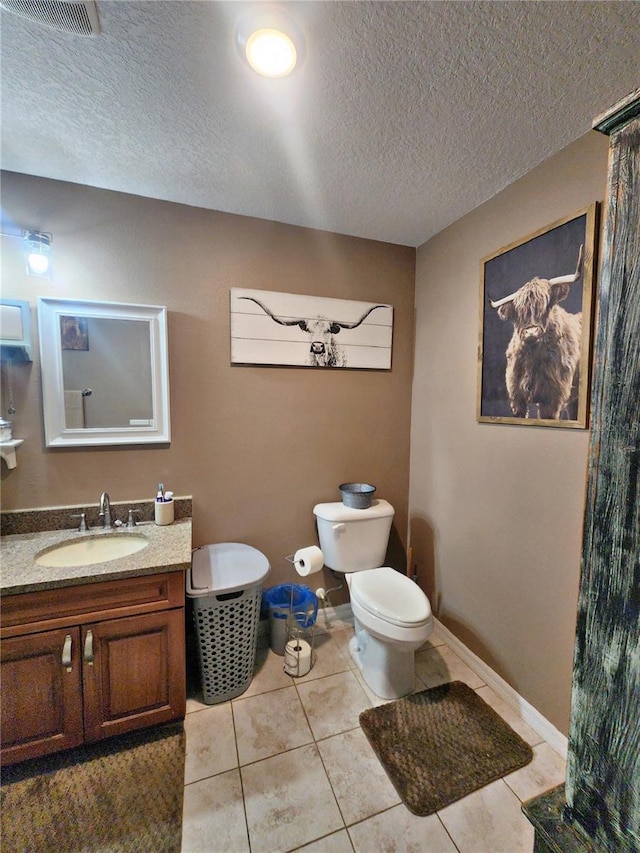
pixel 308 560
pixel 297 657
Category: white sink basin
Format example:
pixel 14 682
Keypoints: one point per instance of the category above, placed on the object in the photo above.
pixel 97 549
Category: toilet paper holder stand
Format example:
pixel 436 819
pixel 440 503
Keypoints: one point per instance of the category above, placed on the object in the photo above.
pixel 299 649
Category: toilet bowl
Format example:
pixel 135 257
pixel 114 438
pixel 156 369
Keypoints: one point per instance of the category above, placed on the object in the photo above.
pixel 392 618
pixel 392 615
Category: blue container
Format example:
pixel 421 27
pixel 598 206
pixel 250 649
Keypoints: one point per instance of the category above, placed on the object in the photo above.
pixel 283 601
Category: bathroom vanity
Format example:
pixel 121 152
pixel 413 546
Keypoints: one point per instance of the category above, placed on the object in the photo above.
pixel 91 651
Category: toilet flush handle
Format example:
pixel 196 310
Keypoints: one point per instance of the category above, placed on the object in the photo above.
pixel 338 527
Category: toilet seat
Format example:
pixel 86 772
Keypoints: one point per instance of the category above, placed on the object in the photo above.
pixel 391 597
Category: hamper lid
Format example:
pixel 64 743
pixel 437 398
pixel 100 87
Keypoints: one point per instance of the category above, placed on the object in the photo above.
pixel 225 567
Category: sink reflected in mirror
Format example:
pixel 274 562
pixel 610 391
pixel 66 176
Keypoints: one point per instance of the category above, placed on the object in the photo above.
pixel 92 550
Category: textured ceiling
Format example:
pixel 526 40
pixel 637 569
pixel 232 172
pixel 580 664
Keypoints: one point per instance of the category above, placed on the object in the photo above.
pixel 403 117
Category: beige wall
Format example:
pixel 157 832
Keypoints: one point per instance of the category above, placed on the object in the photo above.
pixel 496 510
pixel 257 447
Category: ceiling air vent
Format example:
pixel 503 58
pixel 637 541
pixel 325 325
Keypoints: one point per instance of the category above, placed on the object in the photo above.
pixel 79 17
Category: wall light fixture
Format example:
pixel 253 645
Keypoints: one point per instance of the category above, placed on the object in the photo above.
pixel 37 252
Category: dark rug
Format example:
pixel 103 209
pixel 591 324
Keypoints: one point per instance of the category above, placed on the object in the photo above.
pixel 440 745
pixel 123 794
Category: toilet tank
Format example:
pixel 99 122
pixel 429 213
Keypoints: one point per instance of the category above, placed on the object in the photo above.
pixel 352 540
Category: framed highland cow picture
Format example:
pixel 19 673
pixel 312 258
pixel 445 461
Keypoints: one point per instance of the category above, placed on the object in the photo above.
pixel 536 311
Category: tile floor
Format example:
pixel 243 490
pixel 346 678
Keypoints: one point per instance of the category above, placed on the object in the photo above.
pixel 286 767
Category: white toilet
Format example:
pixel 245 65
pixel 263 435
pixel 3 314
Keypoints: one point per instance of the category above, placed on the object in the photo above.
pixel 392 614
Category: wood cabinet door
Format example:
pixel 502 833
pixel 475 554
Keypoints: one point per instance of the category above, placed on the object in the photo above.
pixel 41 694
pixel 133 672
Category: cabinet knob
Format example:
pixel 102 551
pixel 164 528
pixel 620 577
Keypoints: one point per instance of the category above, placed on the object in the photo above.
pixel 66 653
pixel 88 648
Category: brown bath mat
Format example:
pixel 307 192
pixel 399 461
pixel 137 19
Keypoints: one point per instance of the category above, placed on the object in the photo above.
pixel 440 745
pixel 123 794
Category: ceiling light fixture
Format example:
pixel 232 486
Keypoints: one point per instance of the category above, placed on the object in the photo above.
pixel 270 42
pixel 271 53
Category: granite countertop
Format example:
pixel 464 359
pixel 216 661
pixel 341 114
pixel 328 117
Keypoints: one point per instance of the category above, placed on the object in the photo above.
pixel 169 550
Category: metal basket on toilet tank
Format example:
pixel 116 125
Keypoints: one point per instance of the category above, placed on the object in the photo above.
pixel 392 615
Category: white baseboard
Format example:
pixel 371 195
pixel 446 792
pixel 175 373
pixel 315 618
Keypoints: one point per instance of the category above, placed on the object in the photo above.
pixel 506 692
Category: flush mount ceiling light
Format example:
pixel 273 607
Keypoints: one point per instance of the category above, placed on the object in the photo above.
pixel 270 42
pixel 271 53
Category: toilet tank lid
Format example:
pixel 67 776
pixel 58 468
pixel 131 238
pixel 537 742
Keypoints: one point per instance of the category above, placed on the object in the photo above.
pixel 225 567
pixel 337 511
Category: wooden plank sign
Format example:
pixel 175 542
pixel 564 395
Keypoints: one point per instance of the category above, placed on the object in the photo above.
pixel 309 331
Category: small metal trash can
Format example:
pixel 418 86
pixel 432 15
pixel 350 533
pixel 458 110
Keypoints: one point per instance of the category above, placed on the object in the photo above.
pixel 286 600
pixel 225 585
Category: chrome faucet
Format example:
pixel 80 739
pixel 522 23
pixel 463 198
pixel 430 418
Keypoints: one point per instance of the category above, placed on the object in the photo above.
pixel 105 510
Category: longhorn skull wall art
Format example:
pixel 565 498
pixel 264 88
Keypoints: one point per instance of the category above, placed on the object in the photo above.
pixel 268 327
pixel 535 326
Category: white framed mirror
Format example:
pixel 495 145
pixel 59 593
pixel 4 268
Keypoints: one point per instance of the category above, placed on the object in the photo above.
pixel 105 373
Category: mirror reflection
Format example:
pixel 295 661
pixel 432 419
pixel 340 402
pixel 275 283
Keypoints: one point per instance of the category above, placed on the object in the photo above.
pixel 106 369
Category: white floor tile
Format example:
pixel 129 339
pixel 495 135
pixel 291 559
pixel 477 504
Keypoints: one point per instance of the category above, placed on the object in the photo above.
pixel 213 816
pixel 488 821
pixel 333 704
pixel 211 744
pixel 547 770
pixel 337 842
pixel 329 659
pixel 268 673
pixel 196 703
pixel 440 665
pixel 269 724
pixel 359 782
pixel 288 801
pixel 509 715
pixel 399 831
